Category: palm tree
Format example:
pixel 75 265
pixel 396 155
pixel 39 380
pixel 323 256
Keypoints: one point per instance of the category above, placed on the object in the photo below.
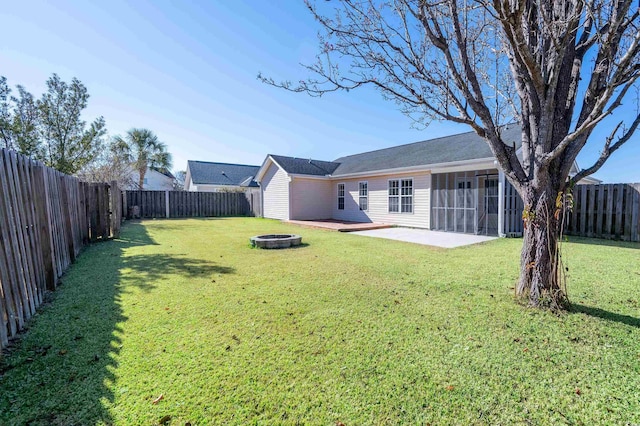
pixel 142 148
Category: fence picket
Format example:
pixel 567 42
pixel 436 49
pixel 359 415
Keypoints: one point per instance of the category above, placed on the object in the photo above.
pixel 25 260
pixel 34 231
pixel 44 218
pixel 11 287
pixel 628 208
pixel 153 204
pixel 599 210
pixel 606 211
pixel 634 215
pixel 609 212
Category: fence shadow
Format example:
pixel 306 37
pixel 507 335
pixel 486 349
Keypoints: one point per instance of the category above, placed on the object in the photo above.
pixel 606 315
pixel 69 352
pixel 57 371
pixel 61 370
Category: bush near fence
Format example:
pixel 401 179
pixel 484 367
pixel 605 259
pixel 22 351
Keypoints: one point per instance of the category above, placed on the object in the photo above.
pixel 46 218
pixel 176 204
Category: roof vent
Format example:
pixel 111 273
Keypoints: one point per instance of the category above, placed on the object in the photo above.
pixel 309 160
pixel 224 173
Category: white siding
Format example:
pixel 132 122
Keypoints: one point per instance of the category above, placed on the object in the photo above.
pixel 189 186
pixel 156 181
pixel 275 184
pixel 311 199
pixel 378 201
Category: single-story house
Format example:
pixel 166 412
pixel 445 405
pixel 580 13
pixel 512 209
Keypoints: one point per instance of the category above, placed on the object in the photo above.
pixel 451 183
pixel 205 176
pixel 154 180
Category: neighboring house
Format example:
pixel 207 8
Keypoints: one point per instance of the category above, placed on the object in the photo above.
pixel 589 180
pixel 451 183
pixel 204 176
pixel 154 180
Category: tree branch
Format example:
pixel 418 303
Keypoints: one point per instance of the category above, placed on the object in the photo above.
pixel 608 149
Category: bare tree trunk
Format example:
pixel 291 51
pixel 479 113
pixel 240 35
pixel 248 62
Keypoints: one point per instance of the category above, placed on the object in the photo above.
pixel 541 282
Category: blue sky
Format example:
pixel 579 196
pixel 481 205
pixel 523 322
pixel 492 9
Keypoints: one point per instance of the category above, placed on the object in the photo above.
pixel 187 71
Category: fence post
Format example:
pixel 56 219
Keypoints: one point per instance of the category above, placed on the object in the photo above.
pixel 166 204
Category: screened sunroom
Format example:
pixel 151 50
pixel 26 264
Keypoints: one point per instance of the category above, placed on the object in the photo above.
pixel 478 202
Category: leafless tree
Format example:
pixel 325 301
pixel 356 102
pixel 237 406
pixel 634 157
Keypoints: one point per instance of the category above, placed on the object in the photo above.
pixel 557 67
pixel 179 180
pixel 111 165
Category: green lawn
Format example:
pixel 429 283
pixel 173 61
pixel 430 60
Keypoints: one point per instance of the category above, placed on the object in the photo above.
pixel 346 329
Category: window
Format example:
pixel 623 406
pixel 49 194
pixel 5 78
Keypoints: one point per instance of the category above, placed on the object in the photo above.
pixel 364 195
pixel 394 196
pixel 401 196
pixel 145 181
pixel 341 196
pixel 406 195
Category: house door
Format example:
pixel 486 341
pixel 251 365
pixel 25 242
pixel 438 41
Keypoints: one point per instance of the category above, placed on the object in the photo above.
pixel 489 220
pixel 465 206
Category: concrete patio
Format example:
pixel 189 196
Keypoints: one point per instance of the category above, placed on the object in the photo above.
pixel 426 237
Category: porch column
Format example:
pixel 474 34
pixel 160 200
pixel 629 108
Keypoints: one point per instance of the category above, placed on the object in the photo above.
pixel 501 183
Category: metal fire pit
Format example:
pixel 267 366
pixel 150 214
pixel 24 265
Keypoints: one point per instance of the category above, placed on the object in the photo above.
pixel 275 241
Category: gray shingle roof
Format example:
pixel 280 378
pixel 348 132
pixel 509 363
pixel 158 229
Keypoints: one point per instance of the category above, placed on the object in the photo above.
pixel 165 172
pixel 305 166
pixel 464 146
pixel 206 173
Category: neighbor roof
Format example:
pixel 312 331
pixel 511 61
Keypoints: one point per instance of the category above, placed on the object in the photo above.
pixel 461 147
pixel 165 172
pixel 305 166
pixel 207 173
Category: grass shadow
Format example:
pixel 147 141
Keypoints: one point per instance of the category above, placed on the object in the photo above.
pixel 299 246
pixel 602 242
pixel 148 268
pixel 61 369
pixel 175 223
pixel 136 235
pixel 606 315
pixel 70 348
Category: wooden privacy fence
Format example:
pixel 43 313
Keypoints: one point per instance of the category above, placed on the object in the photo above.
pixel 46 217
pixel 172 204
pixel 606 211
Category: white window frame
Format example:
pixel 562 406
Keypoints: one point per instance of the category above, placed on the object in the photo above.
pixel 344 191
pixel 399 196
pixel 406 196
pixel 363 195
pixel 396 196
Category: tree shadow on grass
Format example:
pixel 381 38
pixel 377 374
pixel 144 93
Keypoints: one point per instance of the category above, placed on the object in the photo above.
pixel 606 315
pixel 142 271
pixel 60 371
